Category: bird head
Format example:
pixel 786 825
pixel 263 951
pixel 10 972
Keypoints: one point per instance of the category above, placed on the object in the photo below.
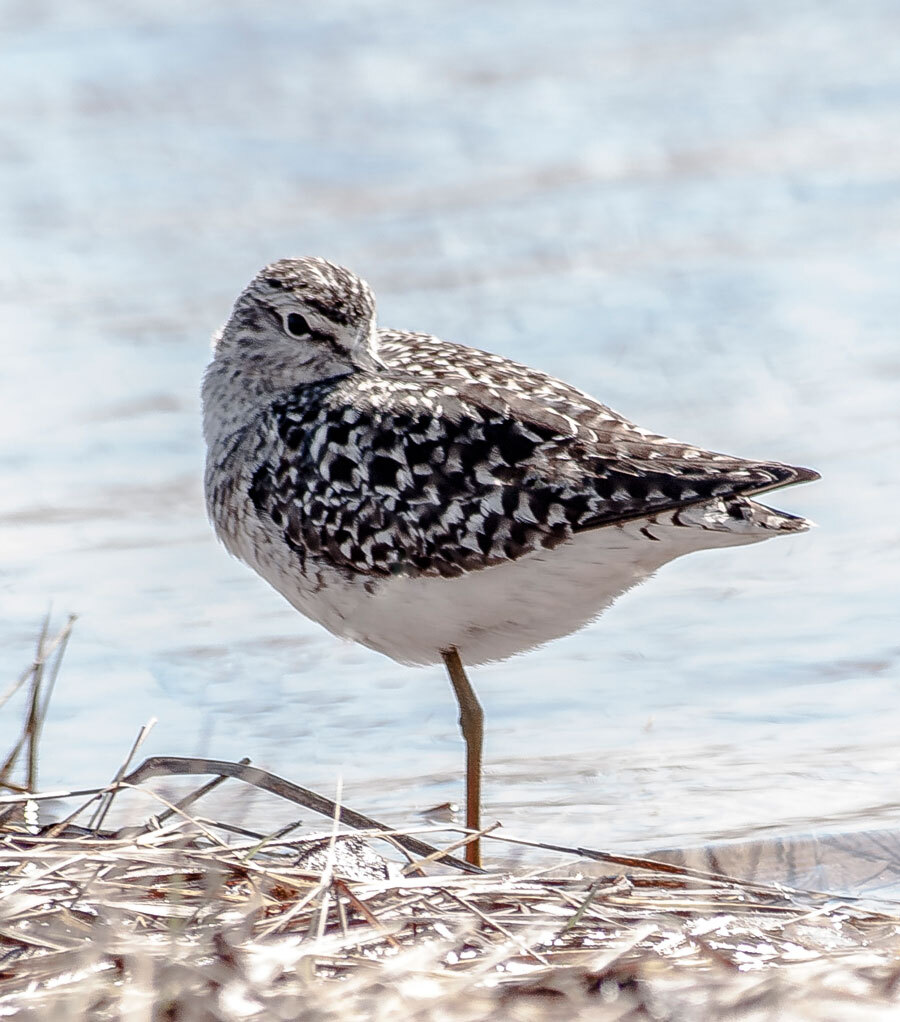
pixel 300 321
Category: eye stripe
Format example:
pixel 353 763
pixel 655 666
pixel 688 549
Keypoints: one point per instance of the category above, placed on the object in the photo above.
pixel 323 338
pixel 329 310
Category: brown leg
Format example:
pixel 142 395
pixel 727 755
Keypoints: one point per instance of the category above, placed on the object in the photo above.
pixel 471 722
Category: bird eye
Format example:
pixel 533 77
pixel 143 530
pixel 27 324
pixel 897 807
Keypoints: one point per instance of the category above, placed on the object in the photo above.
pixel 297 325
pixel 274 283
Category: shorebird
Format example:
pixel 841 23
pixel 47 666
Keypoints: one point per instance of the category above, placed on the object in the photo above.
pixel 435 502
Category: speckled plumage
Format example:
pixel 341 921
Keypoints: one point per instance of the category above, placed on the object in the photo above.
pixel 374 476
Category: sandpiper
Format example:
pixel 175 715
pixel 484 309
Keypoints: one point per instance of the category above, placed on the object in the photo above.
pixel 436 502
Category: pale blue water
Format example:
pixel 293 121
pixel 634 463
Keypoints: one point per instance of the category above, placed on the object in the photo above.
pixel 691 210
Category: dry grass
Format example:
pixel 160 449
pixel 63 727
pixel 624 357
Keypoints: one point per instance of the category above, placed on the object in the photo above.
pixel 183 917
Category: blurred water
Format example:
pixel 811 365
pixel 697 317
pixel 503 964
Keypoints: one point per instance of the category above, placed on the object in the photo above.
pixel 691 210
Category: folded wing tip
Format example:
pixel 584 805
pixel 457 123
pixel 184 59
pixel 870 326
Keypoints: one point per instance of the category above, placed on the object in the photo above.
pixel 805 475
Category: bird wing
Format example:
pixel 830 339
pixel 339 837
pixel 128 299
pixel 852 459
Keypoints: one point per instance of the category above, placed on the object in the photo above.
pixel 580 432
pixel 423 469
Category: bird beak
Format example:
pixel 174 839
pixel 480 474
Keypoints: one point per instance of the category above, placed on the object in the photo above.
pixel 368 361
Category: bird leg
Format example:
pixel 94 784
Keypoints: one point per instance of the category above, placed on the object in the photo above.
pixel 471 722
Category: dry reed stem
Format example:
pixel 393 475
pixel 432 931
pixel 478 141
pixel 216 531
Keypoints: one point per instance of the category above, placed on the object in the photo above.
pixel 189 918
pixel 198 924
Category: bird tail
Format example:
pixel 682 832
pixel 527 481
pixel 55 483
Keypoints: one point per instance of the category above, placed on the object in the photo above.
pixel 740 516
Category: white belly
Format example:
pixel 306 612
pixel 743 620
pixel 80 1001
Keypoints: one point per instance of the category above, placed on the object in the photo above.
pixel 494 613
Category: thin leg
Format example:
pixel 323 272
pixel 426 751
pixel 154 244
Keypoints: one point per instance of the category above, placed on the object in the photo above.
pixel 471 722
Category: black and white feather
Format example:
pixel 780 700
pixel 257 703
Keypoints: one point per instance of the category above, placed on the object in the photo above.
pixel 415 495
